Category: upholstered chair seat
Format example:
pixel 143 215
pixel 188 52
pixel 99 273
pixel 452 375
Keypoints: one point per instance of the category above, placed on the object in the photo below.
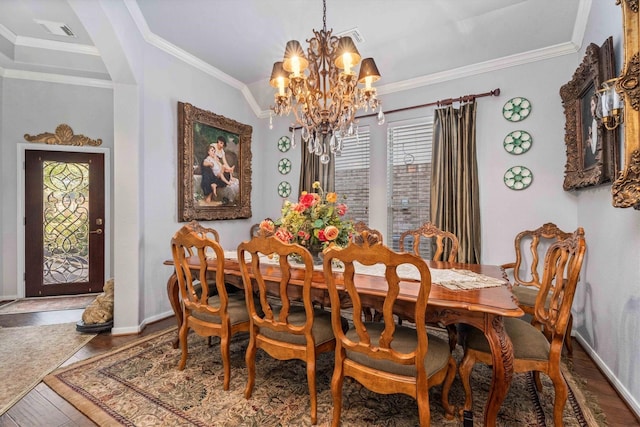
pixel 405 340
pixel 236 310
pixel 321 329
pixel 529 343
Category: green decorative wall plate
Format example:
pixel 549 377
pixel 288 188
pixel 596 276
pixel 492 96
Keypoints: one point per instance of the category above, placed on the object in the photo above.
pixel 284 189
pixel 284 144
pixel 518 142
pixel 516 109
pixel 518 178
pixel 284 166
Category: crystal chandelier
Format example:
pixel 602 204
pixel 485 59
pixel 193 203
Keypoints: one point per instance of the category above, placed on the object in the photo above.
pixel 322 90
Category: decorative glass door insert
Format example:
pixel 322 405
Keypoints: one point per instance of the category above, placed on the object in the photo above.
pixel 65 222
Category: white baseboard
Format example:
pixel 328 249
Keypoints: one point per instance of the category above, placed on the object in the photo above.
pixel 133 330
pixel 620 388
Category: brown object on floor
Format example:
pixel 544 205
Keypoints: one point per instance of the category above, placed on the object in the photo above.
pixel 535 350
pixel 101 309
pixel 384 357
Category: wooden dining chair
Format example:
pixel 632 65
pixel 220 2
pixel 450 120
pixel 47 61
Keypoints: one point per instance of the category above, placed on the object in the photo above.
pixel 283 328
pixel 374 235
pixel 384 357
pixel 444 243
pixel 526 270
pixel 534 349
pixel 205 311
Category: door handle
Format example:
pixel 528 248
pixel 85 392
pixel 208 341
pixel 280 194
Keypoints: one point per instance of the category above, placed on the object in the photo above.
pixel 98 231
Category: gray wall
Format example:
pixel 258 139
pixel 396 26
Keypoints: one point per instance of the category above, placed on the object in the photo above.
pixel 30 107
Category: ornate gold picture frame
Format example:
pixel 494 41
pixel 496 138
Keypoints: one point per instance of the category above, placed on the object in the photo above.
pixel 214 166
pixel 592 151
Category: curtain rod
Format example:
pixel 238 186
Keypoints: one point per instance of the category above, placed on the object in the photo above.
pixel 440 103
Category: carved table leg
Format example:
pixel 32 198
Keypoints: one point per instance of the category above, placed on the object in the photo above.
pixel 502 356
pixel 174 298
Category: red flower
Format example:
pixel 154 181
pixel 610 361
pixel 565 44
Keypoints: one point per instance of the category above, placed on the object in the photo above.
pixel 341 209
pixel 303 235
pixel 321 236
pixel 307 200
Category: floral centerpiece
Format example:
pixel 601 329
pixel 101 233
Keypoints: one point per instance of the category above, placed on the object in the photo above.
pixel 316 221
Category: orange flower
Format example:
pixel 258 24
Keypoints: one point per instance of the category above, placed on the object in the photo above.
pixel 331 232
pixel 332 197
pixel 267 225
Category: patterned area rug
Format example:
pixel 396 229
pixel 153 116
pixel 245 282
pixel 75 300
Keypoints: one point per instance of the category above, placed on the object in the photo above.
pixel 26 356
pixel 31 305
pixel 140 384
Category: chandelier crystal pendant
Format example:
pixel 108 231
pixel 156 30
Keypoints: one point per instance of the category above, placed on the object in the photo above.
pixel 322 90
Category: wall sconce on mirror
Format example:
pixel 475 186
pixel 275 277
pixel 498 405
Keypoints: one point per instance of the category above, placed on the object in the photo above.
pixel 610 105
pixel 626 188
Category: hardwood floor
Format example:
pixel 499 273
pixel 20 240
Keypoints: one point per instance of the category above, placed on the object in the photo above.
pixel 43 407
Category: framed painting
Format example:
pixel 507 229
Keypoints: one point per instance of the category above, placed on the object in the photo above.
pixel 592 150
pixel 214 166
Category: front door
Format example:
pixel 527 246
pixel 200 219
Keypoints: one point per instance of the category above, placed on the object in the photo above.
pixel 64 223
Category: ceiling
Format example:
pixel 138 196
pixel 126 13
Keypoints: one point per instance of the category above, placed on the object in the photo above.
pixel 414 42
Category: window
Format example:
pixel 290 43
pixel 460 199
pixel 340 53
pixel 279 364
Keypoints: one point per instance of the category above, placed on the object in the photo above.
pixel 352 174
pixel 409 179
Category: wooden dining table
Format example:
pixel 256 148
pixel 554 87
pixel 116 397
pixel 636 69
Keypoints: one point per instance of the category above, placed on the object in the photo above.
pixel 482 308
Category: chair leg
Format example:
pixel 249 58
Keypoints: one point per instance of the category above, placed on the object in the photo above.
pixel 424 411
pixel 537 380
pixel 311 379
pixel 568 340
pixel 561 394
pixel 465 368
pixel 184 329
pixel 226 360
pixel 446 387
pixel 336 389
pixel 452 330
pixel 250 359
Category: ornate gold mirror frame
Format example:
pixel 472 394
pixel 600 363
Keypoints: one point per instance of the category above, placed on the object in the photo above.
pixel 626 188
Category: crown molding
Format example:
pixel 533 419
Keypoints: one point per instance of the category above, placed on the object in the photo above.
pixel 7 34
pixel 55 78
pixel 188 58
pixel 37 43
pixel 480 68
pixel 582 18
pixel 82 49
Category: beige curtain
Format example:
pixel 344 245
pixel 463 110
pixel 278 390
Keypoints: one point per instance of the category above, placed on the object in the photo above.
pixel 312 170
pixel 455 203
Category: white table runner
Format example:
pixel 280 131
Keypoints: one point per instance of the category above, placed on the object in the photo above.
pixel 453 279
